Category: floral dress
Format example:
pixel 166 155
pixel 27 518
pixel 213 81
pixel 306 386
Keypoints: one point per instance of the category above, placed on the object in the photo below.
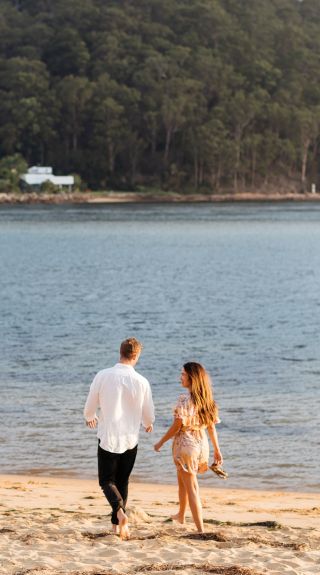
pixel 190 447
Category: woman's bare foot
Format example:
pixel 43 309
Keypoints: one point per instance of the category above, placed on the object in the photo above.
pixel 178 517
pixel 123 525
pixel 115 529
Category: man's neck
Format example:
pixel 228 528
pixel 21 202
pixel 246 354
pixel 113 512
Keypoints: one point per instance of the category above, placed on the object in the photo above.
pixel 131 362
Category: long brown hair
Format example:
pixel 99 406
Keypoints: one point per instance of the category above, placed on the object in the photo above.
pixel 201 392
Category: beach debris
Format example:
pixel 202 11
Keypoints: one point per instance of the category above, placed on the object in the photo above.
pixel 204 567
pixel 92 535
pixel 215 536
pixel 32 571
pixel 268 524
pixel 45 571
pixel 294 545
pixel 221 537
pixel 145 537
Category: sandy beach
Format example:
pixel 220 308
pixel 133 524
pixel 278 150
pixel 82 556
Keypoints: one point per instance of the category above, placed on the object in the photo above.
pixel 52 526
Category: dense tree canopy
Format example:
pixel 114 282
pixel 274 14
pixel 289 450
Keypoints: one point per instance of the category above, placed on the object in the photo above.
pixel 216 94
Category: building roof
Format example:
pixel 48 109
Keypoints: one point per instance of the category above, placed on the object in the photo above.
pixel 37 175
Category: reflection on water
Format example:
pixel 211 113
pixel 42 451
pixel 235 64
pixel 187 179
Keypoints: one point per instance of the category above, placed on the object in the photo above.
pixel 235 287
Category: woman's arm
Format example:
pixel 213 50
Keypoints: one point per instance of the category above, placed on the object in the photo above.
pixel 170 433
pixel 215 444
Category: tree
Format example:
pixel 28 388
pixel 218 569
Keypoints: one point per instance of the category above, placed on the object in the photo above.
pixel 11 168
pixel 67 54
pixel 25 96
pixel 73 94
pixel 208 93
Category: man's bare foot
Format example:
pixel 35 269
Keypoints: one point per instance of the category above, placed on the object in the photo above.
pixel 178 517
pixel 115 529
pixel 123 525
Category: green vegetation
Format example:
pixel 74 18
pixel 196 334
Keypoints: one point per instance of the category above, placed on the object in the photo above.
pixel 174 94
pixel 11 168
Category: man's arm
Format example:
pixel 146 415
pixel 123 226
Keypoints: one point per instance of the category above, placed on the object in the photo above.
pixel 148 410
pixel 91 405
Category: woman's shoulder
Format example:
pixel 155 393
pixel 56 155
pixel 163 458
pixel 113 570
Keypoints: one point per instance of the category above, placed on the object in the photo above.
pixel 183 408
pixel 186 404
pixel 182 402
pixel 183 399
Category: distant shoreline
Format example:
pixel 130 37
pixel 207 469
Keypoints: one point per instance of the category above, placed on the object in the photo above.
pixel 152 197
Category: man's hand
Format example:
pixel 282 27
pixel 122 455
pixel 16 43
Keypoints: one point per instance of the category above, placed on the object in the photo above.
pixel 149 429
pixel 92 423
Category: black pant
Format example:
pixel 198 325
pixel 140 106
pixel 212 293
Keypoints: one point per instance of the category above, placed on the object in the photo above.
pixel 114 471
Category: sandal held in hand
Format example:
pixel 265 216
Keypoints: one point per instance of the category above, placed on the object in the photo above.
pixel 218 470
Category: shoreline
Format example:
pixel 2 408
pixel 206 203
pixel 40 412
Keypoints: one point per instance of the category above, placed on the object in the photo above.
pixel 220 485
pixel 53 526
pixel 59 474
pixel 152 197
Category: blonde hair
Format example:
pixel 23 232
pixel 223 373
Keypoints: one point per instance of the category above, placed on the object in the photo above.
pixel 201 393
pixel 130 348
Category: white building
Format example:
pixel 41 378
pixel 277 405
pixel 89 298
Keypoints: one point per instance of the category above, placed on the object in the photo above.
pixel 37 175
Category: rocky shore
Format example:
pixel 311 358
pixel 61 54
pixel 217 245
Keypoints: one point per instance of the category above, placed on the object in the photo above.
pixel 151 197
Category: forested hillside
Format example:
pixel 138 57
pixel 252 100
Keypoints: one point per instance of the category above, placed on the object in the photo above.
pixel 183 94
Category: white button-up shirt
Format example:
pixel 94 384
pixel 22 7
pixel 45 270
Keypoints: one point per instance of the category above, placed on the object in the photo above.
pixel 125 401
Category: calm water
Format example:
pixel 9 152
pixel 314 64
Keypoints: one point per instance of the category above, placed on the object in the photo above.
pixel 235 287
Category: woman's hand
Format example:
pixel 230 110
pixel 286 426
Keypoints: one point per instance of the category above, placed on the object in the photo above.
pixel 218 459
pixel 170 433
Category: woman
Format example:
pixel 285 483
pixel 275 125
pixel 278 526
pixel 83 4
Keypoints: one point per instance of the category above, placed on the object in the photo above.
pixel 194 412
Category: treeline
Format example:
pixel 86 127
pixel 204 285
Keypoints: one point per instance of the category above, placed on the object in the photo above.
pixel 182 94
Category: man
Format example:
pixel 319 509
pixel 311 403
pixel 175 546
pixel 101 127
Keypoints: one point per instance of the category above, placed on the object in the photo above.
pixel 125 401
